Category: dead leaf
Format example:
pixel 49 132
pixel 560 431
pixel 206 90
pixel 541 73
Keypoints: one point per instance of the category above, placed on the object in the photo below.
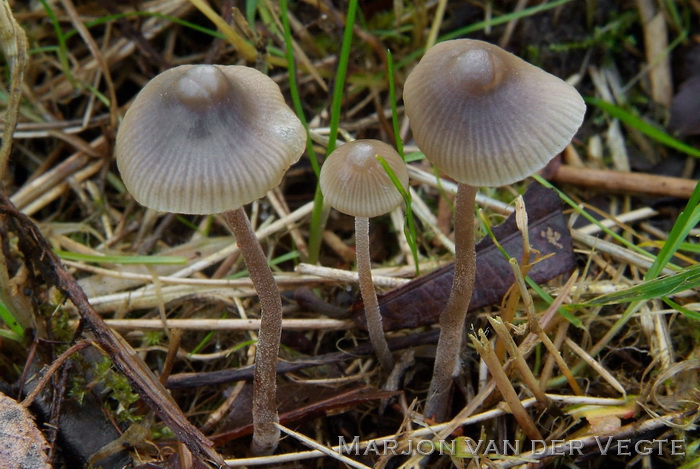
pixel 23 445
pixel 420 302
pixel 298 402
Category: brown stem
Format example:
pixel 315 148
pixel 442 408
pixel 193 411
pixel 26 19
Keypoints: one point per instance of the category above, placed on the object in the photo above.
pixel 265 434
pixel 369 295
pixel 452 318
pixel 626 182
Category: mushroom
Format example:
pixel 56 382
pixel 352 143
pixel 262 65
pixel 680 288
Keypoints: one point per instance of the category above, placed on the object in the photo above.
pixel 205 139
pixel 355 183
pixel 485 118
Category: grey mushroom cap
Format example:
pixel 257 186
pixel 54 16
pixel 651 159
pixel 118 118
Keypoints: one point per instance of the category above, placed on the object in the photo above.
pixel 355 183
pixel 202 139
pixel 486 117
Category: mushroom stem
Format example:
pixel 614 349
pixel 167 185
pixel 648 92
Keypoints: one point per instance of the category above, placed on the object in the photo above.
pixel 453 317
pixel 369 295
pixel 265 433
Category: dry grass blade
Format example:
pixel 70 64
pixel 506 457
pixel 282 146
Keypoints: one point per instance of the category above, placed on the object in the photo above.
pixel 14 46
pixel 327 451
pixel 483 346
pixel 520 364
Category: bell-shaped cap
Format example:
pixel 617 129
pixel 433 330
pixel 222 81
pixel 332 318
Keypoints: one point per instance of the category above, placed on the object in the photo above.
pixel 205 139
pixel 486 117
pixel 354 182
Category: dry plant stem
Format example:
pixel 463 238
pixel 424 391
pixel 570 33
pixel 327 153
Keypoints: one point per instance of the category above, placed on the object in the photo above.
pixel 265 433
pixel 369 295
pixel 535 327
pixel 525 372
pixel 626 182
pixel 452 318
pixel 13 41
pixel 39 387
pixel 500 377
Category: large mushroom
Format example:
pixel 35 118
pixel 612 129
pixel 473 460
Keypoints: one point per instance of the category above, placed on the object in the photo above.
pixel 205 139
pixel 485 118
pixel 355 183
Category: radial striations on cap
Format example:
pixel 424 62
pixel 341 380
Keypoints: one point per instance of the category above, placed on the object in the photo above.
pixel 204 139
pixel 355 183
pixel 486 117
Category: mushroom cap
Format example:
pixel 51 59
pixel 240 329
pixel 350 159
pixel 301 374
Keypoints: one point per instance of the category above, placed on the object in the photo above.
pixel 205 139
pixel 486 117
pixel 355 183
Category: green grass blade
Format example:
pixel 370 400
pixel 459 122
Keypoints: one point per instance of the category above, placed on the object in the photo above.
pixel 148 260
pixel 479 25
pixel 317 219
pixel 294 88
pixel 289 256
pixel 149 14
pixel 415 156
pixel 660 287
pixel 17 333
pixel 340 76
pixel 392 98
pixel 643 126
pixel 10 335
pixel 409 227
pixel 62 46
pixel 316 224
pixel 250 8
pixel 685 222
pixel 684 311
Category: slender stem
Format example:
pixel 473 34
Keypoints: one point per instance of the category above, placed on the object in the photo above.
pixel 369 295
pixel 452 318
pixel 265 434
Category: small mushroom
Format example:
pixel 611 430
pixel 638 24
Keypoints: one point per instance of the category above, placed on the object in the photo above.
pixel 355 183
pixel 204 139
pixel 485 118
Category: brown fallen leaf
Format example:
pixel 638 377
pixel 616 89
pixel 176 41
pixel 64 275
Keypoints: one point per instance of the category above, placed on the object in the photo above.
pixel 685 118
pixel 420 302
pixel 301 402
pixel 23 445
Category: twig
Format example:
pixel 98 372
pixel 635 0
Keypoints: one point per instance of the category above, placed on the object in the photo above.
pixel 229 324
pixel 626 182
pixel 346 276
pixel 324 449
pixel 38 253
pixel 52 369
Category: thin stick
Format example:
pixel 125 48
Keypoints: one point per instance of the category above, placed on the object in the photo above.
pixel 369 295
pixel 345 276
pixel 483 346
pixel 324 449
pixel 520 364
pixel 626 182
pixel 536 329
pixel 265 434
pixel 317 324
pixel 452 318
pixel 52 369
